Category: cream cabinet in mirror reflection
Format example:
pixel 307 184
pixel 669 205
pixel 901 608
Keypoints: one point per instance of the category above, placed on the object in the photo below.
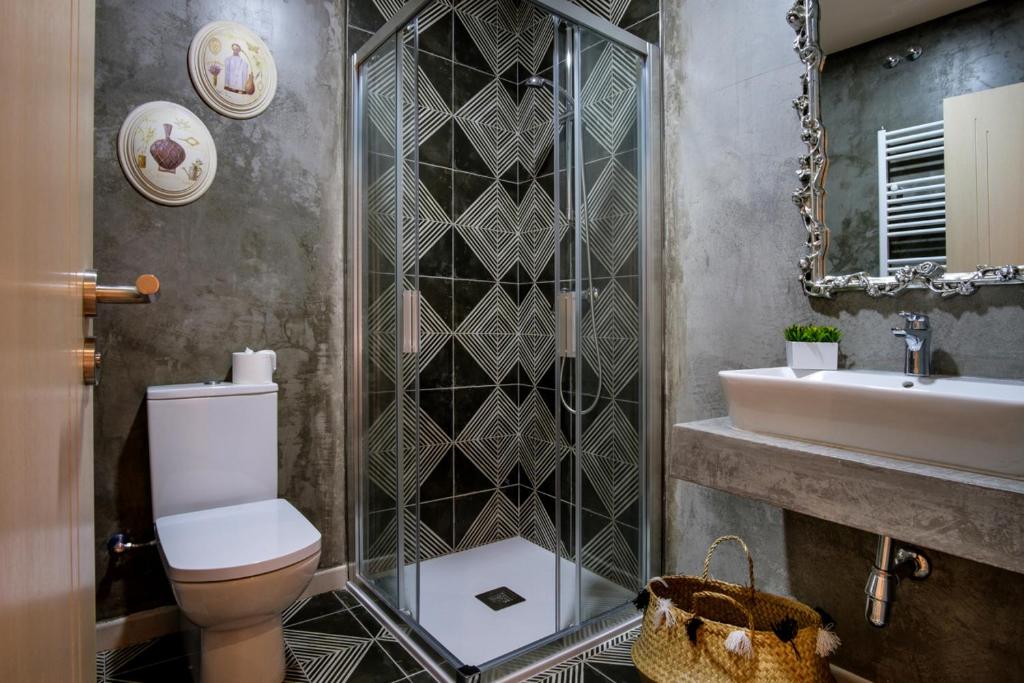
pixel 984 134
pixel 923 107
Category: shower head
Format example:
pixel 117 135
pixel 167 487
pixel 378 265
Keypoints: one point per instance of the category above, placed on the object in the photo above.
pixel 536 81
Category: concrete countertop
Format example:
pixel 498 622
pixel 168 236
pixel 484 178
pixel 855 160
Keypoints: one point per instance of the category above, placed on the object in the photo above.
pixel 970 515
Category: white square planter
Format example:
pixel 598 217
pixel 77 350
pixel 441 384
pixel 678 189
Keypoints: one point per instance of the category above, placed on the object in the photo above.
pixel 812 355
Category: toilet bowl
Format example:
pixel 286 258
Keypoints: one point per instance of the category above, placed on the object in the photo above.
pixel 233 571
pixel 235 554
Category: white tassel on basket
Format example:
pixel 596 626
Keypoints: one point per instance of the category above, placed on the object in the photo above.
pixel 663 613
pixel 738 642
pixel 828 642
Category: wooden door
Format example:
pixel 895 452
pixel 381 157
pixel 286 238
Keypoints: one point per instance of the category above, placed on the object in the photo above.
pixel 984 134
pixel 47 585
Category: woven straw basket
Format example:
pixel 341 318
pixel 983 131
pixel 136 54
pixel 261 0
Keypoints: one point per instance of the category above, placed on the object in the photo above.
pixel 698 629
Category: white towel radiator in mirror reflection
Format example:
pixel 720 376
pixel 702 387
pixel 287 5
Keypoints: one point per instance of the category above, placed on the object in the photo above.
pixel 911 197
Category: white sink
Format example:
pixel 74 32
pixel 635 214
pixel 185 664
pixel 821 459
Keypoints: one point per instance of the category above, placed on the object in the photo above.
pixel 964 422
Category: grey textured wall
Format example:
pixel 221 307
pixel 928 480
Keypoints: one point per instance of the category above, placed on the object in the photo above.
pixel 731 145
pixel 976 49
pixel 256 261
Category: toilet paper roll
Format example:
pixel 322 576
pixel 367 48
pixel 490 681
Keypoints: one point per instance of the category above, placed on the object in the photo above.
pixel 253 367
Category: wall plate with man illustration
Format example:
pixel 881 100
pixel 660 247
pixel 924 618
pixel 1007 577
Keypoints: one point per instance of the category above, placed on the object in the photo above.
pixel 232 69
pixel 167 153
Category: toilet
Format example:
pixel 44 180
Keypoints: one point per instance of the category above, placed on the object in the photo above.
pixel 236 554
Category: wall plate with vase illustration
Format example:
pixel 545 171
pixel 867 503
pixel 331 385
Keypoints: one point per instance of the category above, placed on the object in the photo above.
pixel 232 69
pixel 167 153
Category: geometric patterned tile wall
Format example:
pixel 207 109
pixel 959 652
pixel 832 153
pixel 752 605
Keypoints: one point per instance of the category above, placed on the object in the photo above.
pixel 484 249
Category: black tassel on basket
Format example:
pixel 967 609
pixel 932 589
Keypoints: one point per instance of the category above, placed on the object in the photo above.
pixel 642 599
pixel 692 625
pixel 785 631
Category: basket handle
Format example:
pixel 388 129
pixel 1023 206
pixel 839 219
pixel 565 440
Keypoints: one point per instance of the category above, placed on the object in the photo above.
pixel 732 601
pixel 750 560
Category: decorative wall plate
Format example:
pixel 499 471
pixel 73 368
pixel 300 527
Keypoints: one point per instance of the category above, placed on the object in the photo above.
pixel 232 69
pixel 167 153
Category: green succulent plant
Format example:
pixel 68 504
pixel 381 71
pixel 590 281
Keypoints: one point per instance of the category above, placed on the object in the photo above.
pixel 812 333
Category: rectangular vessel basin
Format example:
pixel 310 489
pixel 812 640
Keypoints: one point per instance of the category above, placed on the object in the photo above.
pixel 964 422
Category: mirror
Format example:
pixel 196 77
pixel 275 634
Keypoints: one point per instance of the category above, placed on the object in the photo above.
pixel 913 111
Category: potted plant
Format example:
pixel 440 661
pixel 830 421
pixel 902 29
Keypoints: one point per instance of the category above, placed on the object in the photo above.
pixel 812 347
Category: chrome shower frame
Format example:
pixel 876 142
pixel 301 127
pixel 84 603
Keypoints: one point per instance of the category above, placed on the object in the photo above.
pixel 562 644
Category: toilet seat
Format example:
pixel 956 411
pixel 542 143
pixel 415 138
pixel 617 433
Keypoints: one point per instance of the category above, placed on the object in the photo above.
pixel 236 541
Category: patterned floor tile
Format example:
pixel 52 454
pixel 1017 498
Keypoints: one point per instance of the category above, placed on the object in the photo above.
pixel 312 607
pixel 608 662
pixel 330 638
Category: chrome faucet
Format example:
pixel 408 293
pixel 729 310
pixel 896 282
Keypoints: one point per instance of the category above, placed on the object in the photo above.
pixel 918 335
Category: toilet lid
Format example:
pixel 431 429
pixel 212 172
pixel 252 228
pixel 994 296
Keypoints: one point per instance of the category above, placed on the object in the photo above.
pixel 235 541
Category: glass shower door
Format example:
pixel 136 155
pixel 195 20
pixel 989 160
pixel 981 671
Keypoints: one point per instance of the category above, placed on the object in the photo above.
pixel 389 544
pixel 607 121
pixel 381 313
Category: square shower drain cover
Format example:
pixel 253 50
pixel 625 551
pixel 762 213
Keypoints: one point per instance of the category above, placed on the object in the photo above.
pixel 500 598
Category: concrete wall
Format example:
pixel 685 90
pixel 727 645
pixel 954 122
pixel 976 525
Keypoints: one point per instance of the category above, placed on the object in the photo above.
pixel 733 238
pixel 976 49
pixel 255 261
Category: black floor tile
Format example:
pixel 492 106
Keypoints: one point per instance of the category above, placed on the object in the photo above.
pixel 316 606
pixel 617 673
pixel 163 649
pixel 171 671
pixel 368 621
pixel 405 661
pixel 340 623
pixel 346 598
pixel 376 667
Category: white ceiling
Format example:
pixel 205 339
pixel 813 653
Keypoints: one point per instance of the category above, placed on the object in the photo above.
pixel 845 23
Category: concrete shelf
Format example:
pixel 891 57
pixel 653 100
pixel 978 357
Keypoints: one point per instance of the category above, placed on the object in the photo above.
pixel 976 516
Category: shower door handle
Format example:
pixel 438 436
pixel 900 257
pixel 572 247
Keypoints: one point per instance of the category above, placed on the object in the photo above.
pixel 566 313
pixel 410 321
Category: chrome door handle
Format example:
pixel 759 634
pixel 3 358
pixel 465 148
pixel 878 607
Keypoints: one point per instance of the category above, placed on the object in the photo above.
pixel 146 290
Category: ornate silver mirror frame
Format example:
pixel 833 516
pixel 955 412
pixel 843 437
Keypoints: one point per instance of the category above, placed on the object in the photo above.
pixel 810 197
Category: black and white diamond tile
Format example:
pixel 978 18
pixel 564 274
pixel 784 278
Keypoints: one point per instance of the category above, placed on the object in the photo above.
pixel 536 334
pixel 382 325
pixel 612 434
pixel 424 221
pixel 424 437
pixel 489 120
pixel 488 333
pixel 615 346
pixel 612 206
pixel 488 438
pixel 489 227
pixel 497 520
pixel 609 553
pixel 536 35
pixel 615 482
pixel 612 10
pixel 610 95
pixel 493 26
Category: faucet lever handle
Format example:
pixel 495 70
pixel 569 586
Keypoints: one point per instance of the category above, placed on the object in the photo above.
pixel 915 321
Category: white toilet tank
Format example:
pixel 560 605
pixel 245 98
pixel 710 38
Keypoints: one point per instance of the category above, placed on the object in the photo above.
pixel 211 445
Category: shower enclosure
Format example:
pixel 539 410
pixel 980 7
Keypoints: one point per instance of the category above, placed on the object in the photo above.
pixel 504 327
